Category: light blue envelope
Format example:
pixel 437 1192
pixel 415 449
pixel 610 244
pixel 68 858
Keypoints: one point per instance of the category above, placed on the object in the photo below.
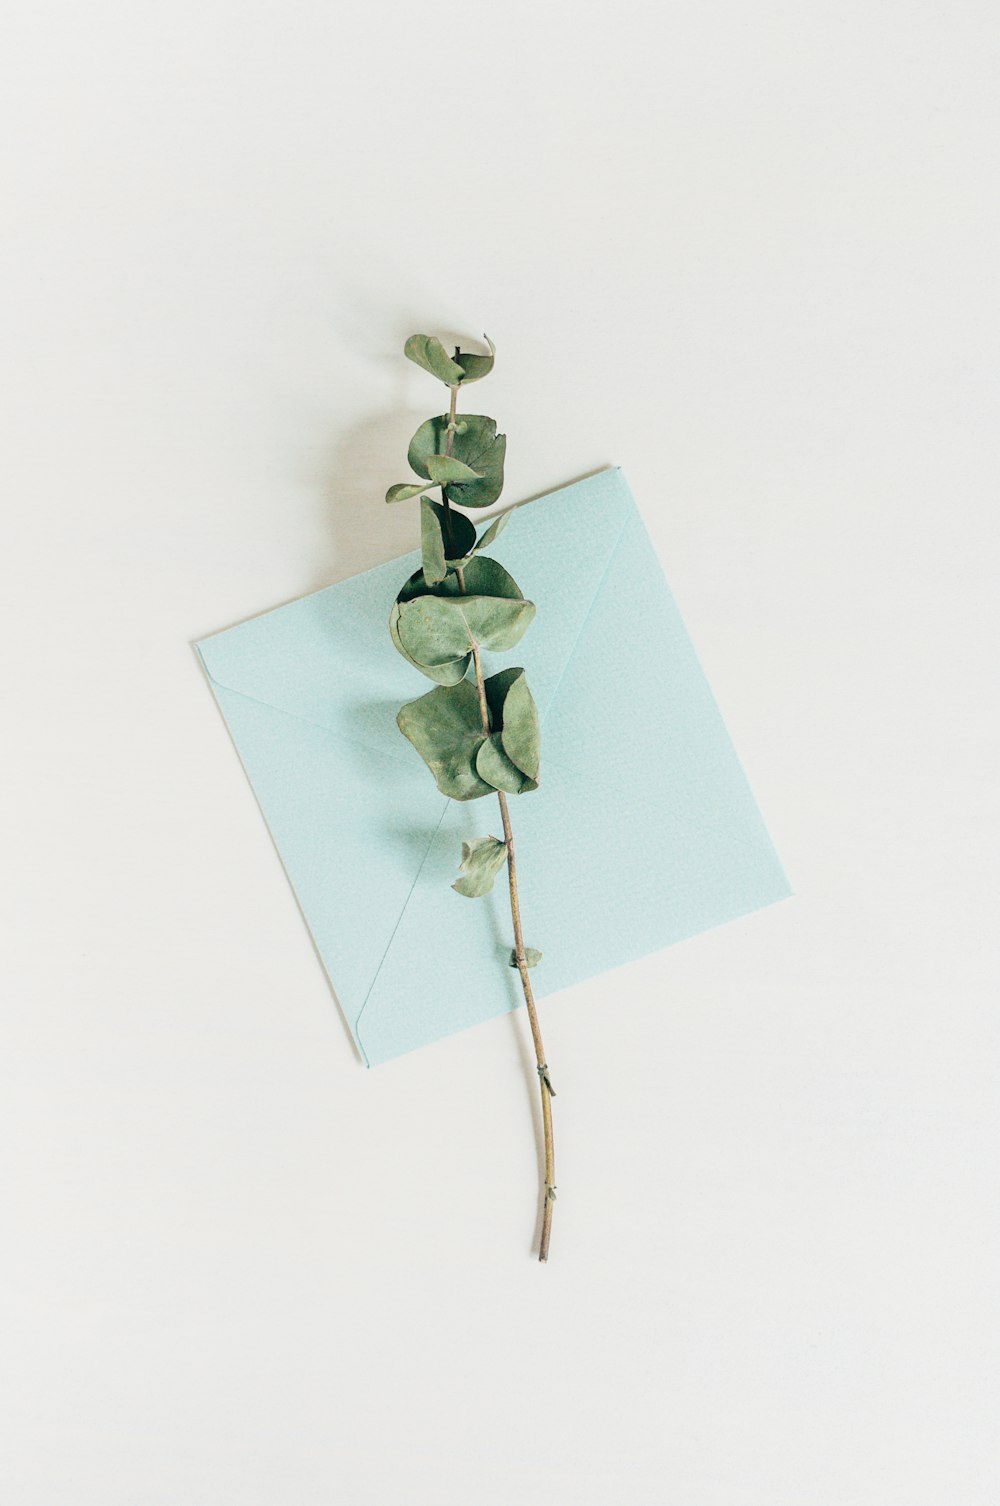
pixel 643 832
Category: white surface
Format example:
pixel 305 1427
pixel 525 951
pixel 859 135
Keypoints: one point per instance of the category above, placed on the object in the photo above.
pixel 748 251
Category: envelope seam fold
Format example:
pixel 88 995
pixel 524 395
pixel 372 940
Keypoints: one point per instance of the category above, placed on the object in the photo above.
pixel 392 935
pixel 294 716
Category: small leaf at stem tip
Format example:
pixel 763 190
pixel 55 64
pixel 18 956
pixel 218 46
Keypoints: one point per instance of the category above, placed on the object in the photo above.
pixel 428 352
pixel 476 367
pixel 443 469
pixel 482 859
pixel 532 957
pixel 403 490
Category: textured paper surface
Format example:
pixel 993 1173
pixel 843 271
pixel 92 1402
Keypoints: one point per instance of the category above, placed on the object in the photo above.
pixel 644 831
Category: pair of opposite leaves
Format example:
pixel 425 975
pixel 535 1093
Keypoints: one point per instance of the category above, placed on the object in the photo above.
pixel 467 761
pixel 435 624
pixel 471 475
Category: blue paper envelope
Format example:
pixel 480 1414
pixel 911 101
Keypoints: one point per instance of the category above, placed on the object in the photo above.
pixel 643 831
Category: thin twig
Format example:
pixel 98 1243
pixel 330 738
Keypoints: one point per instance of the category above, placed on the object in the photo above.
pixel 520 957
pixel 544 1083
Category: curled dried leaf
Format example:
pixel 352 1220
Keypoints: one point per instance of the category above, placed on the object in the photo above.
pixel 428 352
pixel 482 859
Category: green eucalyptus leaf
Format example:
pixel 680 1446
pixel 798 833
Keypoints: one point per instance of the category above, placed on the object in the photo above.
pixel 446 729
pixel 476 367
pixel 513 712
pixel 482 859
pixel 434 565
pixel 433 629
pixel 532 957
pixel 443 674
pixel 494 531
pixel 458 532
pixel 493 765
pixel 484 577
pixel 496 687
pixel 443 469
pixel 520 732
pixel 437 629
pixel 428 352
pixel 405 489
pixel 476 443
pixel 495 622
pixel 430 439
pixel 418 586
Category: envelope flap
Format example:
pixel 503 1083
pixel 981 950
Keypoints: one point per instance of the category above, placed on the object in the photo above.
pixel 559 558
pixel 325 658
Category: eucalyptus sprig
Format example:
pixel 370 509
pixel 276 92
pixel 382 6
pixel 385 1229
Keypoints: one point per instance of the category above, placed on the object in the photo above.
pixel 478 734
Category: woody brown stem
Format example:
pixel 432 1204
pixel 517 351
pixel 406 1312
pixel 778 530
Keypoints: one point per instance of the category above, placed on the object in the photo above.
pixel 544 1082
pixel 520 957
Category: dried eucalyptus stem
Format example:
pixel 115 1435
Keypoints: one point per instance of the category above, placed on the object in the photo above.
pixel 478 736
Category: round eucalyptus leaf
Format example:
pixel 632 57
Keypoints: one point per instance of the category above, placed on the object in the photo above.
pixel 436 629
pixel 433 629
pixel 417 585
pixel 478 446
pixel 428 352
pixel 476 367
pixel 494 622
pixel 484 577
pixel 496 687
pixel 520 733
pixel 457 531
pixel 493 765
pixel 430 439
pixel 482 859
pixel 514 714
pixel 445 728
pixel 443 674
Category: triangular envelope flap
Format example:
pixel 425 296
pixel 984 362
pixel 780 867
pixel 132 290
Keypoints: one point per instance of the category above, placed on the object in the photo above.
pixel 558 553
pixel 325 658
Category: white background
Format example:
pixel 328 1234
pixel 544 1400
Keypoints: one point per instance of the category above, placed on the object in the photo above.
pixel 749 252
